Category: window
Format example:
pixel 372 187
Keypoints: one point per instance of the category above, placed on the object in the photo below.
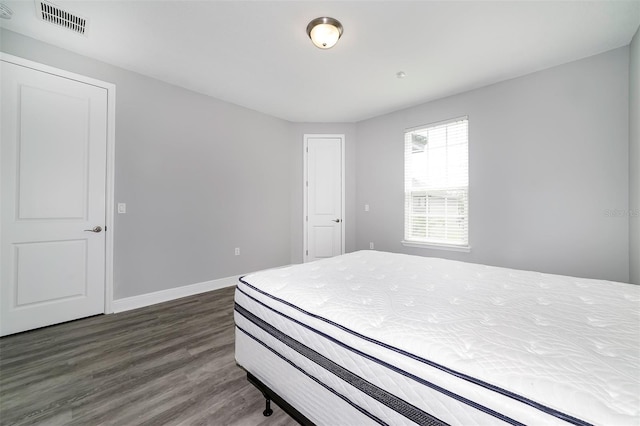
pixel 436 185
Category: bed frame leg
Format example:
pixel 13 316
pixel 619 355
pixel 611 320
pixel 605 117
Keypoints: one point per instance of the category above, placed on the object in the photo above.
pixel 267 411
pixel 284 405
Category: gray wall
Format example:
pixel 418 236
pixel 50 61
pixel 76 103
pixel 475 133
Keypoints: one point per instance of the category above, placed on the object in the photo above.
pixel 634 160
pixel 199 176
pixel 548 161
pixel 549 164
pixel 298 132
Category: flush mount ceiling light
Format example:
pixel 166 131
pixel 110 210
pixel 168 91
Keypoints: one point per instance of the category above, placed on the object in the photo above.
pixel 324 32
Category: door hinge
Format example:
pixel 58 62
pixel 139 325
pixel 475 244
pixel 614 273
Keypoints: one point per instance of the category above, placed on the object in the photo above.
pixel 307 183
pixel 306 218
pixel 307 252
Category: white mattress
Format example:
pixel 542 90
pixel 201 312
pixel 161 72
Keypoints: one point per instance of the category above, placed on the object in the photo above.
pixel 394 337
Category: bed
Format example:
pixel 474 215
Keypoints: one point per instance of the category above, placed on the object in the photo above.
pixel 384 338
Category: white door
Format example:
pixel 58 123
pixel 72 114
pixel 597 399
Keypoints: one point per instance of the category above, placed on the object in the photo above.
pixel 324 215
pixel 53 171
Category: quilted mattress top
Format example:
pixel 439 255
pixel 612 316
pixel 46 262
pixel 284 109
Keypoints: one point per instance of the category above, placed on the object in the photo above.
pixel 568 343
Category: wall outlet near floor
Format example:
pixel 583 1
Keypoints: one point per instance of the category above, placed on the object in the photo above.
pixel 237 251
pixel 366 207
pixel 371 246
pixel 122 208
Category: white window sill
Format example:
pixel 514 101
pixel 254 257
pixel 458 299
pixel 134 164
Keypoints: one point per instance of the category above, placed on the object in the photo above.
pixel 416 244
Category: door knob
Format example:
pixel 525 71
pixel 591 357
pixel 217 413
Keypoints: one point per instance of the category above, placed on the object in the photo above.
pixel 96 229
pixel 336 220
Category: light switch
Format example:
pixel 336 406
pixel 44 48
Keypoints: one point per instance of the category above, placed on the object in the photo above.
pixel 122 208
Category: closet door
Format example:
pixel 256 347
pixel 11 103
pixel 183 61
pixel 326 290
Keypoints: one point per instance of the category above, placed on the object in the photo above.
pixel 53 172
pixel 324 196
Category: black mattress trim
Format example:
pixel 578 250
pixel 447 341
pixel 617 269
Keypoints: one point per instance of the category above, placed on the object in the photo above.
pixel 415 378
pixel 393 402
pixel 541 407
pixel 315 379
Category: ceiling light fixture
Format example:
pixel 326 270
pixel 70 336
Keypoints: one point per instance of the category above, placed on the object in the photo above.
pixel 324 32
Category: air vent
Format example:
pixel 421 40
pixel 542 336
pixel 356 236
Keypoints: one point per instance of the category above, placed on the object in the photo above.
pixel 5 12
pixel 49 12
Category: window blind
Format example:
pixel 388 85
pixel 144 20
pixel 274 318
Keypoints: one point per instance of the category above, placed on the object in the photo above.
pixel 436 184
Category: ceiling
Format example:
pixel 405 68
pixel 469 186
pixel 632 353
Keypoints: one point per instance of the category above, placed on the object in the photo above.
pixel 257 53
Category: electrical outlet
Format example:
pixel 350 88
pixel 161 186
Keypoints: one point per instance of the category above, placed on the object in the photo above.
pixel 371 246
pixel 366 207
pixel 122 208
pixel 237 251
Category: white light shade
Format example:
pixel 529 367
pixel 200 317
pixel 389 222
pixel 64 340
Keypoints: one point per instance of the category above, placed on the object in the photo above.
pixel 324 32
pixel 324 36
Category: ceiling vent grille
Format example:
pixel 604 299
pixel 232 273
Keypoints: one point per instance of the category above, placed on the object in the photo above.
pixel 49 12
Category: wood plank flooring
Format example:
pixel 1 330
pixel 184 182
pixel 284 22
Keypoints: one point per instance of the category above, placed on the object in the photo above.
pixel 171 363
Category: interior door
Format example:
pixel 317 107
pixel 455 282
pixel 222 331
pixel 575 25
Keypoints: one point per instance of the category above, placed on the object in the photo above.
pixel 53 171
pixel 324 200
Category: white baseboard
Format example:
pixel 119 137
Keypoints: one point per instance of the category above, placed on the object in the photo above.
pixel 135 302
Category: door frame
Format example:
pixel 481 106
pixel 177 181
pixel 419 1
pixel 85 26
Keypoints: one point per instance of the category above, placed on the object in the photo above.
pixel 110 172
pixel 305 188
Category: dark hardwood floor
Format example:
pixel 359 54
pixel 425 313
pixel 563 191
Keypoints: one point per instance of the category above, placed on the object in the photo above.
pixel 171 363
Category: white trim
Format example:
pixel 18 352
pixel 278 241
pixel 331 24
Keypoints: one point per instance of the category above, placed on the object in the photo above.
pixel 110 194
pixel 111 142
pixel 55 71
pixel 135 302
pixel 437 123
pixel 305 154
pixel 344 181
pixel 450 247
pixel 305 198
